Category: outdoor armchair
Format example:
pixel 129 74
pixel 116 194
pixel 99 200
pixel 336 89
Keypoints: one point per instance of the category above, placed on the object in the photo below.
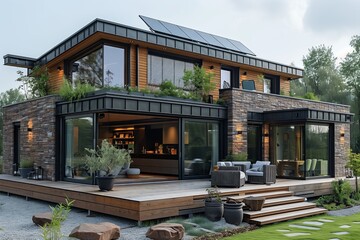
pixel 262 172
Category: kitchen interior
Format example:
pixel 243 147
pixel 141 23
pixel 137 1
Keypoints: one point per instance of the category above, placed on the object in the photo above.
pixel 153 141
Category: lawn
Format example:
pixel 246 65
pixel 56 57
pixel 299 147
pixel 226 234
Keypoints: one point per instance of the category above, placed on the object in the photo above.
pixel 319 227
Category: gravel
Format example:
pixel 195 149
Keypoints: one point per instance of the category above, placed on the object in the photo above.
pixel 16 220
pixel 345 212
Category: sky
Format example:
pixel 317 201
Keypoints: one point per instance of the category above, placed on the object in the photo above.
pixel 277 30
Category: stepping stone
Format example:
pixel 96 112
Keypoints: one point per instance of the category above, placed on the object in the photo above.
pixel 356 222
pixel 334 239
pixel 42 218
pixel 303 227
pixel 296 234
pixel 166 231
pixel 340 233
pixel 325 220
pixel 100 231
pixel 283 230
pixel 314 223
pixel 345 226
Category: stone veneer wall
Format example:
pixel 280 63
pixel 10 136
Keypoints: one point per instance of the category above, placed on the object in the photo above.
pixel 37 145
pixel 240 102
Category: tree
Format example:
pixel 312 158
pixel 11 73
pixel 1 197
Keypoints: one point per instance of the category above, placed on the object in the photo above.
pixel 354 165
pixel 199 82
pixel 9 97
pixel 350 69
pixel 36 84
pixel 322 77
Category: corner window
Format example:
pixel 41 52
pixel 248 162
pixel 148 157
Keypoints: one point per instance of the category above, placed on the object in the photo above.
pixel 162 69
pixel 103 67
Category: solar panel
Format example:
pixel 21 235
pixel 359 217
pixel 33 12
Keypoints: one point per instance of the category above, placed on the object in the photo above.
pixel 195 35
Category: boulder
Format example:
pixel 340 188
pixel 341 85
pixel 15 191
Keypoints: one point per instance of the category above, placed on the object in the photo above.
pixel 166 231
pixel 100 231
pixel 42 218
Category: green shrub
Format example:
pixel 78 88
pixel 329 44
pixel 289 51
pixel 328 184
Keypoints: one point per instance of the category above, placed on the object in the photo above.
pixel 70 93
pixel 199 82
pixel 52 230
pixel 311 96
pixel 236 157
pixel 323 200
pixel 342 192
pixel 26 163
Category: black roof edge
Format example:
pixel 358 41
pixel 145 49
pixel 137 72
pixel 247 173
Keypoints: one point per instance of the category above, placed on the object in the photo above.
pixel 19 61
pixel 105 26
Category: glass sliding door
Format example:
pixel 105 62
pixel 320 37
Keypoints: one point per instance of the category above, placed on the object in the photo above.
pixel 254 142
pixel 287 150
pixel 317 150
pixel 78 136
pixel 201 147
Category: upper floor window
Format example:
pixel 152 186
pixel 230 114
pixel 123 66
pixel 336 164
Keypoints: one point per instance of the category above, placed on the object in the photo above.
pixel 104 66
pixel 229 77
pixel 225 79
pixel 162 69
pixel 271 84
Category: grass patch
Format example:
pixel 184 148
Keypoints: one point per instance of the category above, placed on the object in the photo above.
pixel 326 230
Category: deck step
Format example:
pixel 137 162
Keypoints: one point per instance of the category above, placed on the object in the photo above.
pixel 266 195
pixel 287 216
pixel 282 200
pixel 266 211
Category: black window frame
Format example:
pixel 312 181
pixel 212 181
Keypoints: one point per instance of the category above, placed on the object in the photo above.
pixel 234 76
pixel 157 53
pixel 275 83
pixel 68 63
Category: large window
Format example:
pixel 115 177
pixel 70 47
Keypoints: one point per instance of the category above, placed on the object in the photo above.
pixel 102 67
pixel 162 69
pixel 78 136
pixel 229 77
pixel 201 142
pixel 317 150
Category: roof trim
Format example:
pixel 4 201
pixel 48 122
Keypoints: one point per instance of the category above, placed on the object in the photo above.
pixel 103 26
pixel 19 61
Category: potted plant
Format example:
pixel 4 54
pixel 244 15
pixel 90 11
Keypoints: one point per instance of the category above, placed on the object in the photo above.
pixel 103 161
pixel 233 212
pixel 214 208
pixel 26 166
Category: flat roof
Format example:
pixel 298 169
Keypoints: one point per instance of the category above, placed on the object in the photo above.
pixel 103 26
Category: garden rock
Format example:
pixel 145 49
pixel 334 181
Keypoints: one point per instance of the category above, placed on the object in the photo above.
pixel 100 231
pixel 166 231
pixel 42 218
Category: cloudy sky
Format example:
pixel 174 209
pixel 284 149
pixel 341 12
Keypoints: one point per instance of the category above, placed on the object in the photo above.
pixel 277 30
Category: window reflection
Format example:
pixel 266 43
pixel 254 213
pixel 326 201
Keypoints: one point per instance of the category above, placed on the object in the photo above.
pixel 201 151
pixel 102 67
pixel 162 69
pixel 78 136
pixel 225 79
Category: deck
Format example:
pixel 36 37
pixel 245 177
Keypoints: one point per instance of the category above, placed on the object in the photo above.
pixel 146 201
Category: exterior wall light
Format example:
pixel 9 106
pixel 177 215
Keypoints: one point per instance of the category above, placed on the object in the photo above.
pixel 211 67
pixel 245 73
pixel 342 135
pixel 59 68
pixel 29 129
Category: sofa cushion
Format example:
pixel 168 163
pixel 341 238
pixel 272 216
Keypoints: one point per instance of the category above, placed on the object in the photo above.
pixel 254 173
pixel 247 164
pixel 262 163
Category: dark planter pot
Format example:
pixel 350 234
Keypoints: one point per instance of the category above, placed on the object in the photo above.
pixel 24 172
pixel 106 183
pixel 233 213
pixel 214 210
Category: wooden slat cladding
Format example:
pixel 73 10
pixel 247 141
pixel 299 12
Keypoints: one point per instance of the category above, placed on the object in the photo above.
pixel 284 86
pixel 133 68
pixel 252 75
pixel 56 77
pixel 216 70
pixel 138 74
pixel 142 68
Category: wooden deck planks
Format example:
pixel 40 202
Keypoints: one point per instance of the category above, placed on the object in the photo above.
pixel 144 201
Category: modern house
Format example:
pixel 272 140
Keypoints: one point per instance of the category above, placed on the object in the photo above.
pixel 175 138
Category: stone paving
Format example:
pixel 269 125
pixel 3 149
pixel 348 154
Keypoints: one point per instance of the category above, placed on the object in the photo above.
pixel 314 225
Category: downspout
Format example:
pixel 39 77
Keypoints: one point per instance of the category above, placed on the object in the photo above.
pixel 137 66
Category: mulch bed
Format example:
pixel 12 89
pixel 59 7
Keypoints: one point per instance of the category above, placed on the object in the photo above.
pixel 226 233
